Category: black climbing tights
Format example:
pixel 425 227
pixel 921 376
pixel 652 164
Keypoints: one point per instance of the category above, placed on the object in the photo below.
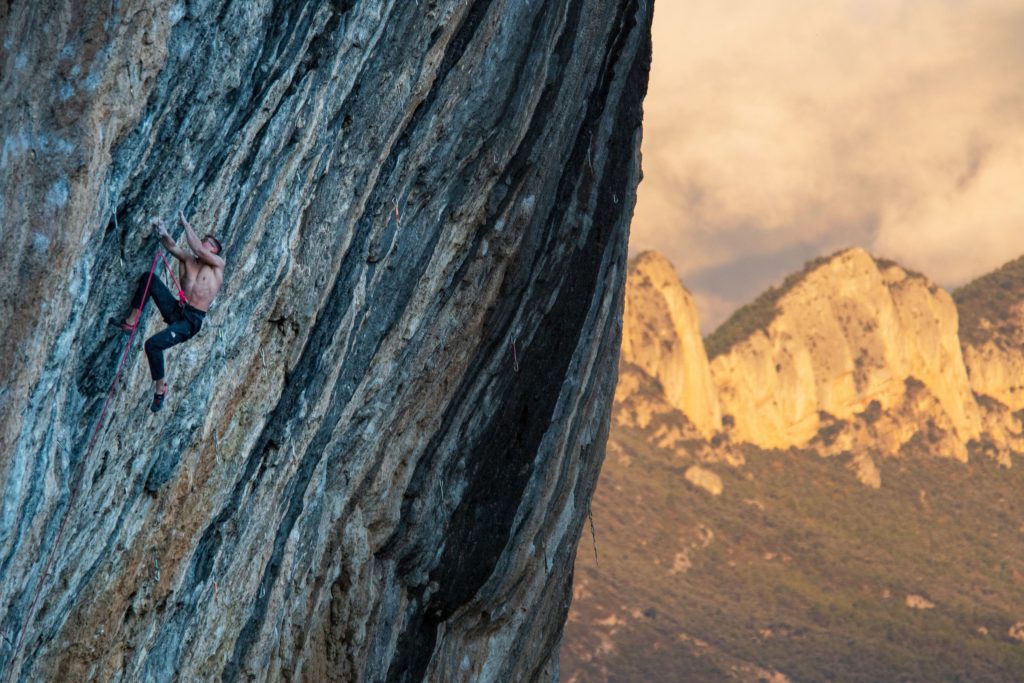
pixel 183 321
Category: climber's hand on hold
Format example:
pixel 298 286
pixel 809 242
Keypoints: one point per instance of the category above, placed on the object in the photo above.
pixel 160 230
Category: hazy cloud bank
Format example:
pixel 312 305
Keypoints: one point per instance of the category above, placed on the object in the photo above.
pixel 796 127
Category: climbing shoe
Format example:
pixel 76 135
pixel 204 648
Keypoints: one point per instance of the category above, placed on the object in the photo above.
pixel 120 324
pixel 158 402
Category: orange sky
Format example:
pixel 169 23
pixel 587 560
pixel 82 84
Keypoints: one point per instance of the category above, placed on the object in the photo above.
pixel 779 130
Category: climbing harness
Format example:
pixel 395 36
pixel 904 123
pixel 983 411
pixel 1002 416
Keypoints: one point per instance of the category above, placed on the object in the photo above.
pixel 76 482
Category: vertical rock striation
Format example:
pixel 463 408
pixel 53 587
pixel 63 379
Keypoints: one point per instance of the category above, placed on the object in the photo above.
pixel 378 454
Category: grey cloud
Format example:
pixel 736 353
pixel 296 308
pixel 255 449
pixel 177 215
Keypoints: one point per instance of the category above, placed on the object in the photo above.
pixel 774 129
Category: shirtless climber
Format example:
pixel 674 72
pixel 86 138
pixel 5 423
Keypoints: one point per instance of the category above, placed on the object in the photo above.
pixel 202 273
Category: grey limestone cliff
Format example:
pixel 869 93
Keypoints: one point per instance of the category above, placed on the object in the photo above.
pixel 377 455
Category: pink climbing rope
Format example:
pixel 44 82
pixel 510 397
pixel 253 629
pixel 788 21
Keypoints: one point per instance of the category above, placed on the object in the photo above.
pixel 170 271
pixel 77 482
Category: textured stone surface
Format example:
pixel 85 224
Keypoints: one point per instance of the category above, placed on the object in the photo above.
pixel 378 454
pixel 997 370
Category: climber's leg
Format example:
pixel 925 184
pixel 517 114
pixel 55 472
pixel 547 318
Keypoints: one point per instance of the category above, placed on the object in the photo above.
pixel 158 292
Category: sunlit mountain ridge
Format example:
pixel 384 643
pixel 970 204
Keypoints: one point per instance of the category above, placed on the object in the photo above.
pixel 834 495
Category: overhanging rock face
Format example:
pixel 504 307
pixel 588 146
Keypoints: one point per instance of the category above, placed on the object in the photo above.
pixel 377 456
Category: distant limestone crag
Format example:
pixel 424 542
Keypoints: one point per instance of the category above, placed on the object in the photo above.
pixel 661 337
pixel 992 332
pixel 732 551
pixel 851 354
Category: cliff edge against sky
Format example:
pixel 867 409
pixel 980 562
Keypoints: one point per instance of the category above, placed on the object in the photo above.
pixel 377 455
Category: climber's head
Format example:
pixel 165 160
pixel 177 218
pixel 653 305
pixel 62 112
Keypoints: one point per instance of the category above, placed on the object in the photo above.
pixel 212 243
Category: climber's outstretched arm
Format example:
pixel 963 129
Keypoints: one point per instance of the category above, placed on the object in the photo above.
pixel 197 246
pixel 165 238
